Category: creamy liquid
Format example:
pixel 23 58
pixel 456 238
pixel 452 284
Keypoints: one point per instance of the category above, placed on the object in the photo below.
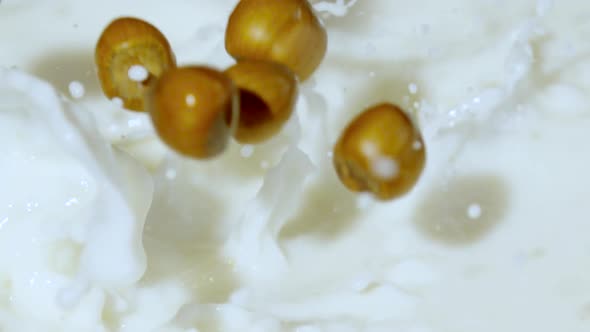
pixel 493 237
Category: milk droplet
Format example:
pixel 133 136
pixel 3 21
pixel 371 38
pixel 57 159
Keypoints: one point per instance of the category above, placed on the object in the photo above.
pixel 384 167
pixel 117 101
pixel 76 89
pixel 137 73
pixel 474 211
pixel 190 100
pixel 247 150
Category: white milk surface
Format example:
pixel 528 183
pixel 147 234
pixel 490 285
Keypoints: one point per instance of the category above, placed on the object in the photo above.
pixel 102 228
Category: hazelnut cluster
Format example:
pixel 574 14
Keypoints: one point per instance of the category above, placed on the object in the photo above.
pixel 276 44
pixel 193 108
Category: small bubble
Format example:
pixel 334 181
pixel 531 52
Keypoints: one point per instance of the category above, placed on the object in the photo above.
pixel 413 88
pixel 264 164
